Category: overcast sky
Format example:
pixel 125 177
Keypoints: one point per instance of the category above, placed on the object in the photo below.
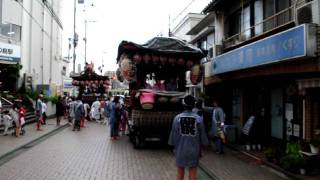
pixel 117 20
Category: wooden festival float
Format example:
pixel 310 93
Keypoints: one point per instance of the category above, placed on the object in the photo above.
pixel 165 61
pixel 91 86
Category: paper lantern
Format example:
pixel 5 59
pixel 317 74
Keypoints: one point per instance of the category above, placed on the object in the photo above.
pixel 91 82
pixel 155 59
pixel 101 82
pixel 137 58
pixel 128 69
pixel 146 58
pixel 181 61
pixel 189 63
pixel 196 74
pixel 87 82
pixel 171 61
pixel 163 60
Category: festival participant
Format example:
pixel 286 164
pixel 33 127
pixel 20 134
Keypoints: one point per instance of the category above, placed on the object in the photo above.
pixel 187 136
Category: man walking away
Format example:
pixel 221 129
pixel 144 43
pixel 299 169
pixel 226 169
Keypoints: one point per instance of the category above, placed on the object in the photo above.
pixel 59 110
pixel 79 113
pixel 217 128
pixel 187 136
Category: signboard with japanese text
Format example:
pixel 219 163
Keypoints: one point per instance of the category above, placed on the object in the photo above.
pixel 10 52
pixel 293 43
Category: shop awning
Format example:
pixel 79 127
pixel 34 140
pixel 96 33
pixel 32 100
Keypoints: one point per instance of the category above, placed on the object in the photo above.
pixel 308 83
pixel 7 62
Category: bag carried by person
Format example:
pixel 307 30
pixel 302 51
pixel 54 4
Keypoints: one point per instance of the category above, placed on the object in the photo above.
pixel 222 135
pixel 22 121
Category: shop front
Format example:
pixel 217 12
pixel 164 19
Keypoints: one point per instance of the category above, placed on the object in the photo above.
pixel 9 67
pixel 265 80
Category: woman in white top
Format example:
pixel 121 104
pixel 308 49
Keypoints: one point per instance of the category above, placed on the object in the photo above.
pixel 44 112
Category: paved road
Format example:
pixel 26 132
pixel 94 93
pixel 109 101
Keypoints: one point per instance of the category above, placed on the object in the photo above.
pixel 88 154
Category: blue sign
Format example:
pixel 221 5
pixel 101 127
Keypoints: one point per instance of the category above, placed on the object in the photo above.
pixel 279 47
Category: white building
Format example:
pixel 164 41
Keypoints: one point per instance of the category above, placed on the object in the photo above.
pixel 32 29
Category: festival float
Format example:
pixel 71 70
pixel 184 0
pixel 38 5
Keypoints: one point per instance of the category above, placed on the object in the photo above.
pixel 91 86
pixel 156 74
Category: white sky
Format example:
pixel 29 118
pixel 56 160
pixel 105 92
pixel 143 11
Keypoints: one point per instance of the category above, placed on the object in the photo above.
pixel 117 20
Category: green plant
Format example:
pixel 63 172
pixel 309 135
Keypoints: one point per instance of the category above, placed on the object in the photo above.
pixel 53 99
pixel 292 160
pixel 269 153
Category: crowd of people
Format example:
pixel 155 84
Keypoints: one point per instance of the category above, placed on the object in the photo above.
pixel 109 111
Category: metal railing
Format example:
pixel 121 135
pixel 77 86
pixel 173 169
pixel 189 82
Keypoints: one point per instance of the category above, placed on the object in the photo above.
pixel 270 23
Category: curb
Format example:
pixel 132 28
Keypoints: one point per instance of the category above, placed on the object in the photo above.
pixel 207 171
pixel 275 169
pixel 13 153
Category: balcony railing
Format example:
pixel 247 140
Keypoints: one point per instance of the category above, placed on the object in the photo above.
pixel 269 24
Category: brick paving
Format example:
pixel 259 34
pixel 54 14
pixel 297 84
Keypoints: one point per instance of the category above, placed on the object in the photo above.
pixel 233 165
pixel 9 142
pixel 90 154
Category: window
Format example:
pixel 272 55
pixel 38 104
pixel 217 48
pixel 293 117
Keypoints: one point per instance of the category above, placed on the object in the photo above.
pixel 272 7
pixel 10 30
pixel 245 23
pixel 234 23
pixel 258 17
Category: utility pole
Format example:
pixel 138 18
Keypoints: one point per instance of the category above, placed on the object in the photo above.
pixel 85 41
pixel 74 36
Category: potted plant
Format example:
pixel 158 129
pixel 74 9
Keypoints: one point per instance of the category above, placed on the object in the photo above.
pixel 292 160
pixel 269 152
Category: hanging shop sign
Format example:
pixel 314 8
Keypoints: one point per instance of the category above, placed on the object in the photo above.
pixel 10 52
pixel 296 42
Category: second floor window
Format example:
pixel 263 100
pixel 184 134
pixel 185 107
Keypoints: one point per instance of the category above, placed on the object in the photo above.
pixel 276 13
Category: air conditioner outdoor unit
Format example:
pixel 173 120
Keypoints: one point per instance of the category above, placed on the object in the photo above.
pixel 308 13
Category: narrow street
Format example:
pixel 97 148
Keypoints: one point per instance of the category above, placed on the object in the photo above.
pixel 90 154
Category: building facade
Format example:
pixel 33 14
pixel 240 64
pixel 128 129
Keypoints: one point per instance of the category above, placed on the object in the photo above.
pixel 181 31
pixel 33 30
pixel 266 64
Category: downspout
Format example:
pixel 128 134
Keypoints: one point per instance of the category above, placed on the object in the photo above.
pixel 30 39
pixel 51 41
pixel 42 46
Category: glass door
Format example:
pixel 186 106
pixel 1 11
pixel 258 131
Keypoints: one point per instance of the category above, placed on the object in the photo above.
pixel 277 113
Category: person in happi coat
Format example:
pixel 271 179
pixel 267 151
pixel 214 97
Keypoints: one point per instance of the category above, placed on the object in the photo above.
pixel 187 136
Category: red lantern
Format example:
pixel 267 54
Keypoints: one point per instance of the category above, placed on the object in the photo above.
pixel 146 58
pixel 196 74
pixel 189 63
pixel 163 60
pixel 137 58
pixel 128 69
pixel 155 59
pixel 106 82
pixel 181 61
pixel 171 60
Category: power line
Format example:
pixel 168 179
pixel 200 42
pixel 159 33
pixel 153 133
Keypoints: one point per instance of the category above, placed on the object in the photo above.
pixel 180 13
